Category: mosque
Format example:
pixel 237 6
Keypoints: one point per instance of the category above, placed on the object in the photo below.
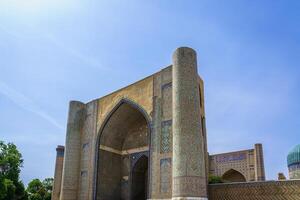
pixel 148 140
pixel 293 161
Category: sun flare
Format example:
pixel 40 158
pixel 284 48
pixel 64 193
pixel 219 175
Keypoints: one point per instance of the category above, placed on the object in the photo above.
pixel 34 7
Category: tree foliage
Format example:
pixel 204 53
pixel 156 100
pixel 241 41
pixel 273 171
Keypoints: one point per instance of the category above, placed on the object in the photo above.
pixel 214 179
pixel 40 190
pixel 11 188
pixel 48 184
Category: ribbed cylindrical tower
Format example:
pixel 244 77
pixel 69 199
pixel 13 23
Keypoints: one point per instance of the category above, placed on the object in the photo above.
pixel 189 180
pixel 70 177
pixel 259 163
pixel 58 172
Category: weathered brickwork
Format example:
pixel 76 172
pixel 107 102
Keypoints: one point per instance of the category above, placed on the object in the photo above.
pixel 87 144
pixel 265 190
pixel 259 163
pixel 71 168
pixel 189 171
pixel 58 172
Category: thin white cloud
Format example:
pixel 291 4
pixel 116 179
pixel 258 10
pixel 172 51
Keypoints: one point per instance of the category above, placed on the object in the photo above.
pixel 88 60
pixel 71 51
pixel 27 104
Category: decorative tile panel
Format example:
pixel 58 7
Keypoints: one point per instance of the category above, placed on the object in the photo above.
pixel 166 137
pixel 167 101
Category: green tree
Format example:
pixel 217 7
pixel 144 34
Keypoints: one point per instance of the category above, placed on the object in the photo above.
pixel 35 196
pixel 2 188
pixel 214 179
pixel 10 161
pixel 36 190
pixel 11 188
pixel 48 184
pixel 40 190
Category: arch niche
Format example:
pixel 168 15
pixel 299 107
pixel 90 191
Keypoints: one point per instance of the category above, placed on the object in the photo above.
pixel 125 133
pixel 233 176
pixel 139 178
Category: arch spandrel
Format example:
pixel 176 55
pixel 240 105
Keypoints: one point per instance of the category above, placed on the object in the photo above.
pixel 141 93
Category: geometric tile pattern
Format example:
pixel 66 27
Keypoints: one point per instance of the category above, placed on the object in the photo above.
pixel 165 142
pixel 268 190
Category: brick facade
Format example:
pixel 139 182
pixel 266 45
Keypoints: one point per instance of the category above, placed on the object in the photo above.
pixel 249 163
pixel 264 190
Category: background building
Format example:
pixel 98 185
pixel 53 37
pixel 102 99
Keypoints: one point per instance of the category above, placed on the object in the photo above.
pixel 293 161
pixel 239 166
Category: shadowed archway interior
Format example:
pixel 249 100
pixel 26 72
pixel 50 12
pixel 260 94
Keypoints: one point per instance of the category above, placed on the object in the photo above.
pixel 125 133
pixel 139 179
pixel 233 176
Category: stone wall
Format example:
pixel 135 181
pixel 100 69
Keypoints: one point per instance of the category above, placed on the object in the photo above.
pixel 268 190
pixel 87 152
pixel 58 172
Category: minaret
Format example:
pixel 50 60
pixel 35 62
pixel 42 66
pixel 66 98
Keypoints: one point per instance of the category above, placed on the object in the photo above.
pixel 70 177
pixel 189 178
pixel 259 163
pixel 58 172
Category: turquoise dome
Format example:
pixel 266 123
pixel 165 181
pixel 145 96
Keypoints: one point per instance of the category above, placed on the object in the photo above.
pixel 294 156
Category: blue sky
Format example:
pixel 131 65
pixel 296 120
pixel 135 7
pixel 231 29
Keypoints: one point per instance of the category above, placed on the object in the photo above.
pixel 54 51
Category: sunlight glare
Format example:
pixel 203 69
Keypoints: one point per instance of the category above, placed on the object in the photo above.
pixel 34 7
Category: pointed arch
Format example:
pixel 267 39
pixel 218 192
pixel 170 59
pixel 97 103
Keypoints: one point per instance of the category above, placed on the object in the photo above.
pixel 121 118
pixel 233 175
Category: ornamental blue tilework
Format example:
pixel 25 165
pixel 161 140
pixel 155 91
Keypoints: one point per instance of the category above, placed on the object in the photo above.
pixel 166 137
